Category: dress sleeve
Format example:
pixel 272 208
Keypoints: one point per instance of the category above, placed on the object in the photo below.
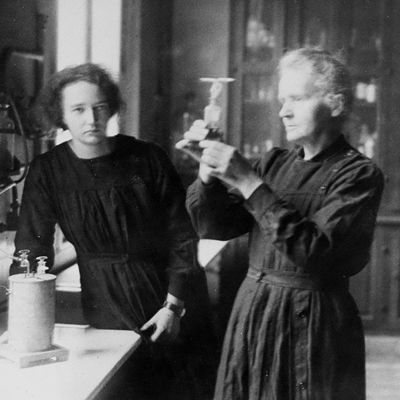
pixel 180 237
pixel 338 235
pixel 36 222
pixel 216 213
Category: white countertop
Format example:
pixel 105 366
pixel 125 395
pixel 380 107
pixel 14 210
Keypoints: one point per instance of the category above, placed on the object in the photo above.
pixel 94 357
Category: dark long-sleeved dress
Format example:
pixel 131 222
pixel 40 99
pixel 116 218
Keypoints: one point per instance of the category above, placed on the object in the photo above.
pixel 294 330
pixel 125 215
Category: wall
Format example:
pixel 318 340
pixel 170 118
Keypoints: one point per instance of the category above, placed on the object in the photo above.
pixel 17 25
pixel 145 68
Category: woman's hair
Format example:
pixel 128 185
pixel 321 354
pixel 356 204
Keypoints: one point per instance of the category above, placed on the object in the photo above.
pixel 331 75
pixel 50 98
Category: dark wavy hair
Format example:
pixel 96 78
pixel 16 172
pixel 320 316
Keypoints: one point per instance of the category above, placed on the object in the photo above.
pixel 49 102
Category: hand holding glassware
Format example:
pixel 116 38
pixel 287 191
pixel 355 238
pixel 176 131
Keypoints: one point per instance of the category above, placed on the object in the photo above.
pixel 209 127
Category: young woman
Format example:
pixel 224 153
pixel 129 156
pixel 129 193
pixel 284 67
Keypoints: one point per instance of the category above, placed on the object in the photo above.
pixel 120 202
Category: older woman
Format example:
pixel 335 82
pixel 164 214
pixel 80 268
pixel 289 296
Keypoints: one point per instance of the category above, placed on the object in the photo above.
pixel 120 202
pixel 294 331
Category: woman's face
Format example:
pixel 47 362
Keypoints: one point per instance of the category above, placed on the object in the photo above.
pixel 304 111
pixel 85 112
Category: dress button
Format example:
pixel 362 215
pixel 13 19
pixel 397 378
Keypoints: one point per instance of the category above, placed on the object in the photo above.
pixel 301 314
pixel 301 385
pixel 259 276
pixel 322 189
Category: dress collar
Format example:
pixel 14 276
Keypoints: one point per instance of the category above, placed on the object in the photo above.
pixel 333 148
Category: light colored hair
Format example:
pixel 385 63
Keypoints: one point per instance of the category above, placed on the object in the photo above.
pixel 331 75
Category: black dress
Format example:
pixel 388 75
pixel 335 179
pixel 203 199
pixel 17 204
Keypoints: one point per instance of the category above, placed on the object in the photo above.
pixel 295 331
pixel 125 215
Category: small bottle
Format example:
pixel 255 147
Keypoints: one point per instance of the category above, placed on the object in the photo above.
pixel 213 111
pixel 24 262
pixel 361 91
pixel 6 123
pixel 41 267
pixel 247 150
pixel 371 92
pixel 212 115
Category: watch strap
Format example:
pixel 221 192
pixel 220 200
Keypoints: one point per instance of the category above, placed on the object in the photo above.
pixel 177 310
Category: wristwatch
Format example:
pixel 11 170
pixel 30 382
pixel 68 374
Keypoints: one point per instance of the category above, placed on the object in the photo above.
pixel 179 311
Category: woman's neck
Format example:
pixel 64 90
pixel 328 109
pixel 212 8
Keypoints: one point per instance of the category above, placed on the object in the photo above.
pixel 87 151
pixel 312 148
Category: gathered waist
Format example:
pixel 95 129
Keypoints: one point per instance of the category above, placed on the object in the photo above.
pixel 116 257
pixel 298 280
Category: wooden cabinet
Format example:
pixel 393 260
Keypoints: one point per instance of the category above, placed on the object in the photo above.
pixel 377 287
pixel 363 33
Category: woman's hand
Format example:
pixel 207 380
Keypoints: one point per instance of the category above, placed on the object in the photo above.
pixel 197 132
pixel 227 164
pixel 166 325
pixel 219 160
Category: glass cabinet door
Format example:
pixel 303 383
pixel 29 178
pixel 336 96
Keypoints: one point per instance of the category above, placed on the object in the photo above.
pixel 365 59
pixel 259 121
pixel 352 30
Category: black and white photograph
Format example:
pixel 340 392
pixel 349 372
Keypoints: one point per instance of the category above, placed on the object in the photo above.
pixel 199 200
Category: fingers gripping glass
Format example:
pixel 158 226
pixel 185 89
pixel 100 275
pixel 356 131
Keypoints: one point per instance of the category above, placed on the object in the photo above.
pixel 192 148
pixel 209 127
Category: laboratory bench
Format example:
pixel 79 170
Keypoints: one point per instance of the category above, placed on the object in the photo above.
pixel 94 357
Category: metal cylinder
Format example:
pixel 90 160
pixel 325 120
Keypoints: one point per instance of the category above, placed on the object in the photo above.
pixel 31 312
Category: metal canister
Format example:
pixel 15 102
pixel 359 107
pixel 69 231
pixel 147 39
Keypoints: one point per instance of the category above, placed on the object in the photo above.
pixel 31 312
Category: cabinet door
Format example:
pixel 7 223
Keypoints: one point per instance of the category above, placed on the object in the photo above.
pixel 377 288
pixel 364 131
pixel 389 268
pixel 365 58
pixel 256 47
pixel 366 288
